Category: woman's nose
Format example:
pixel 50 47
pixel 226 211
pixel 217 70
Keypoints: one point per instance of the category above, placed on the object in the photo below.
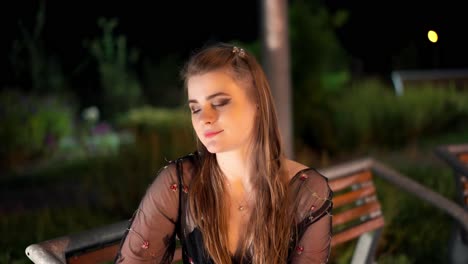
pixel 208 116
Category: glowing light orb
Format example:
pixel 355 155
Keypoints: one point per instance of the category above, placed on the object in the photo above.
pixel 432 36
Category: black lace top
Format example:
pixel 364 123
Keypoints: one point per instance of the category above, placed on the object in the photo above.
pixel 161 219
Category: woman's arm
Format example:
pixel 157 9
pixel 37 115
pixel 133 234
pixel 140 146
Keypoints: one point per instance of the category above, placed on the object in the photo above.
pixel 316 220
pixel 150 237
pixel 314 246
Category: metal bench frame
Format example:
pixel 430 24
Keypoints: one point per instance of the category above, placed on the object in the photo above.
pixel 451 154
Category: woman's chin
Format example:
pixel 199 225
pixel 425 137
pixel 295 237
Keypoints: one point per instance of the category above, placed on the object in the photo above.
pixel 213 148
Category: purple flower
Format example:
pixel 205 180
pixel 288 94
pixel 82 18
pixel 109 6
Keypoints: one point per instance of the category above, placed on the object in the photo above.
pixel 101 128
pixel 50 140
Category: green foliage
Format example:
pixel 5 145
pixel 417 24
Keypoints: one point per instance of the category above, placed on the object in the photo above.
pixel 164 129
pixel 160 135
pixel 315 49
pixel 343 253
pixel 371 114
pixel 149 117
pixel 120 85
pixel 118 181
pixel 398 259
pixel 416 231
pixel 319 69
pixel 31 124
pixel 29 59
pixel 162 85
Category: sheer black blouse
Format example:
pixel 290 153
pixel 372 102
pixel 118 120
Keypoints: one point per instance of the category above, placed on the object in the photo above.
pixel 162 218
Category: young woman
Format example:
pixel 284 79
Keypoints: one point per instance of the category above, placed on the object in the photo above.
pixel 237 199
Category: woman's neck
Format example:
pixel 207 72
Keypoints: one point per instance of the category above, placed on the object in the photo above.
pixel 236 167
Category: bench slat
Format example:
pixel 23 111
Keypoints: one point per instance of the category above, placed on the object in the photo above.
pixel 357 231
pixel 97 256
pixel 353 196
pixel 463 157
pixel 344 182
pixel 355 213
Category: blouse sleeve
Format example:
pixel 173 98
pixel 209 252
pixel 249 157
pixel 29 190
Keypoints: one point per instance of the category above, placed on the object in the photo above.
pixel 314 213
pixel 150 237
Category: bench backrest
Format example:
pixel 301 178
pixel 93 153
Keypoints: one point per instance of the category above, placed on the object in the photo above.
pixel 356 208
pixel 463 177
pixel 356 211
pixel 456 156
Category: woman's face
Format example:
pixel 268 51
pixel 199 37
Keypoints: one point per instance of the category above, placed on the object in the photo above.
pixel 222 114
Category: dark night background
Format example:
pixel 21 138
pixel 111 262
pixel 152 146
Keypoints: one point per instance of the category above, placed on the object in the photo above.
pixel 375 33
pixel 83 134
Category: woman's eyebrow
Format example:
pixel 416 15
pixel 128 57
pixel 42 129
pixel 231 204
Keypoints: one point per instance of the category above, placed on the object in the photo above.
pixel 210 97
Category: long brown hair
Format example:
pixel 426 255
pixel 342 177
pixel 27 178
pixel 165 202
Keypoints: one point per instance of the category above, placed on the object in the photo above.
pixel 268 235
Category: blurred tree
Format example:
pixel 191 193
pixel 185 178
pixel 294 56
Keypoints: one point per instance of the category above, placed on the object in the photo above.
pixel 34 69
pixel 320 69
pixel 121 88
pixel 162 86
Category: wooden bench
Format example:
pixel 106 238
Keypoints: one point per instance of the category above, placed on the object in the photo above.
pixel 357 214
pixel 98 245
pixel 456 156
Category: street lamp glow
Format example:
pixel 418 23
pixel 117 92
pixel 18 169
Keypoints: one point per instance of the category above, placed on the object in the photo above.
pixel 432 36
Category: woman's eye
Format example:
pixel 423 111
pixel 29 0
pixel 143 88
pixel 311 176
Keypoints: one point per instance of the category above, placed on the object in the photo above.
pixel 194 111
pixel 221 102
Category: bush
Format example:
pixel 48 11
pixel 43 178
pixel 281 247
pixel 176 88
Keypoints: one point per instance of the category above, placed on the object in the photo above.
pixel 371 114
pixel 31 125
pixel 159 135
pixel 162 128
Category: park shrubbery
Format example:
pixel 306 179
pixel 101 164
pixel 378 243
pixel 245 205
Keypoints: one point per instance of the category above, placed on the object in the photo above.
pixel 369 114
pixel 32 125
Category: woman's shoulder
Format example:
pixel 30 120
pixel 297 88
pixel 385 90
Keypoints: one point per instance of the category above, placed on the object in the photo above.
pixel 174 173
pixel 293 168
pixel 307 181
pixel 184 166
pixel 189 158
pixel 311 194
pixel 298 171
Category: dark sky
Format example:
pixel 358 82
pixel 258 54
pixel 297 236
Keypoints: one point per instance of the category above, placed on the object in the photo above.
pixel 376 31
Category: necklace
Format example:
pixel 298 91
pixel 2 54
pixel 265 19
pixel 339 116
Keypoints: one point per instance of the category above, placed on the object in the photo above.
pixel 243 205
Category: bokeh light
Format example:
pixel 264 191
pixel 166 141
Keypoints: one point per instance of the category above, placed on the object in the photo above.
pixel 432 36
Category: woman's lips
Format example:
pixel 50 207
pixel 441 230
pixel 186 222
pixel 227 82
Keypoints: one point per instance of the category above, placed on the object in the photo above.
pixel 212 133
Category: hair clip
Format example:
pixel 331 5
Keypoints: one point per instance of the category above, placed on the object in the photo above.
pixel 238 51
